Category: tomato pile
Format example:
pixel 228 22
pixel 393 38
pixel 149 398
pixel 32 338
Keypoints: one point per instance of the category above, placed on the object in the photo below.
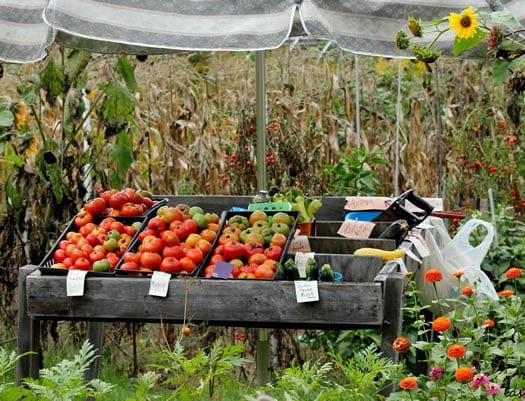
pixel 89 245
pixel 125 202
pixel 175 240
pixel 253 242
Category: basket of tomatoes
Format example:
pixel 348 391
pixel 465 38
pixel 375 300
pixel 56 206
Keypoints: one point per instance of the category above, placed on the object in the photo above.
pixel 92 243
pixel 250 244
pixel 175 240
pixel 125 202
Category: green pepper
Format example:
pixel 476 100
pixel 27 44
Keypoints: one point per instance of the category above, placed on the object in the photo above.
pixel 299 206
pixel 314 207
pixel 280 273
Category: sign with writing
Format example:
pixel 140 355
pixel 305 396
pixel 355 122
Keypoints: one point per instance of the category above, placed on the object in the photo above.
pixel 356 229
pixel 75 283
pixel 356 203
pixel 299 243
pixel 306 291
pixel 159 284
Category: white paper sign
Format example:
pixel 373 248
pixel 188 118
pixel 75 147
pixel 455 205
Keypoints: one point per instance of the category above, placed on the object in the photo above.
pixel 159 284
pixel 356 229
pixel 300 261
pixel 75 283
pixel 306 291
pixel 299 244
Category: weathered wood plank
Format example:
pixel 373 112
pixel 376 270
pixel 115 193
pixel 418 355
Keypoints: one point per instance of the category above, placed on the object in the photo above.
pixel 348 245
pixel 221 302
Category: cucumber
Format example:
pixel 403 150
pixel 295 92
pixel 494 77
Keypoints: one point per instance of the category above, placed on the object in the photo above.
pixel 312 269
pixel 291 271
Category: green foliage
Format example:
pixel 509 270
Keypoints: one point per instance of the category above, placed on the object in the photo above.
pixel 65 381
pixel 353 174
pixel 116 108
pixel 52 79
pixel 200 374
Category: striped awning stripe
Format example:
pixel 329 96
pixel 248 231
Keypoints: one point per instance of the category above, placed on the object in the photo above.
pixel 29 27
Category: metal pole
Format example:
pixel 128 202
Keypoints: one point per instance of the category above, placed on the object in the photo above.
pixel 263 341
pixel 261 123
pixel 439 134
pixel 357 104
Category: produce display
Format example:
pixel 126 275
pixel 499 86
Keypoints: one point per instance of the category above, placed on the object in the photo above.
pixel 92 243
pixel 385 255
pixel 306 206
pixel 175 240
pixel 252 243
pixel 125 202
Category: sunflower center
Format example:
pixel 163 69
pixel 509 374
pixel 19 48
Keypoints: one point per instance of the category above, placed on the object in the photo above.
pixel 466 21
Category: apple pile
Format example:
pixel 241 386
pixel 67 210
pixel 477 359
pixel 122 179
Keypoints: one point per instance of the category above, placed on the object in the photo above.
pixel 175 240
pixel 125 202
pixel 253 242
pixel 98 247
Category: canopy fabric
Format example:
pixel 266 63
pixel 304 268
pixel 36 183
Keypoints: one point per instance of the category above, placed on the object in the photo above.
pixel 29 27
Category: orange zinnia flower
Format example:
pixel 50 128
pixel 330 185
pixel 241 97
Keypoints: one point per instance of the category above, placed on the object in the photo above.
pixel 456 351
pixel 401 344
pixel 467 291
pixel 464 374
pixel 433 275
pixel 408 383
pixel 441 323
pixel 458 274
pixel 513 272
pixel 488 323
pixel 506 293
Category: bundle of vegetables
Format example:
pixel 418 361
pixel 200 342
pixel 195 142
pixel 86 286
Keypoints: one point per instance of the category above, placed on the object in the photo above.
pixel 305 205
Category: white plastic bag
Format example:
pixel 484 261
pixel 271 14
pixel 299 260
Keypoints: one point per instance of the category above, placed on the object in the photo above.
pixel 454 255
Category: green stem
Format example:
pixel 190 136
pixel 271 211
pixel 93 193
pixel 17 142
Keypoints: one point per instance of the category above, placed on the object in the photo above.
pixel 429 46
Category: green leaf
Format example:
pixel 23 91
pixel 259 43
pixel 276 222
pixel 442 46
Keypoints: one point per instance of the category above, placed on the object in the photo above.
pixel 125 70
pixel 460 45
pixel 500 72
pixel 122 153
pixel 77 60
pixel 16 160
pixel 13 194
pixel 503 18
pixel 53 80
pixel 6 118
pixel 118 105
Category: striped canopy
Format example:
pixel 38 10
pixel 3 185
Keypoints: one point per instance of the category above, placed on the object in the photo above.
pixel 29 27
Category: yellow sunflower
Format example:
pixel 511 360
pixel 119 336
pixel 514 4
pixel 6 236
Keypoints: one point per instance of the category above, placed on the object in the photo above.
pixel 465 24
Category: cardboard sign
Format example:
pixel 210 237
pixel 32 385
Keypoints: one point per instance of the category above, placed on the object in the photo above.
pixel 355 203
pixel 356 229
pixel 75 283
pixel 299 243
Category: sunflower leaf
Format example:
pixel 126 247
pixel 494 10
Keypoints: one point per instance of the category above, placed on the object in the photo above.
pixel 460 45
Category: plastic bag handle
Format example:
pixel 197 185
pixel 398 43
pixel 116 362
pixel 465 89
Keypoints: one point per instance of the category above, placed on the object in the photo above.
pixel 460 245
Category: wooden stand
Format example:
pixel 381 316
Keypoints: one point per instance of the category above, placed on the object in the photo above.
pixel 367 298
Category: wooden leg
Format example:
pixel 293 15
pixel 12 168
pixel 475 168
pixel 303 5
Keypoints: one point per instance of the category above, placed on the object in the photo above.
pixel 95 333
pixel 28 339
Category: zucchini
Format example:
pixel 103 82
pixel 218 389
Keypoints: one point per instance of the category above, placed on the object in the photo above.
pixel 312 269
pixel 326 273
pixel 291 270
pixel 385 255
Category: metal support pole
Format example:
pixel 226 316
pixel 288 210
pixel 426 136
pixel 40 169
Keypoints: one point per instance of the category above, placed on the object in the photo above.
pixel 262 358
pixel 261 123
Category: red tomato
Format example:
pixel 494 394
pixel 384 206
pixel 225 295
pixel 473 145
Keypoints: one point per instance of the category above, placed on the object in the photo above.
pixel 170 265
pixel 106 195
pixel 169 238
pixel 129 266
pixel 59 255
pixel 78 254
pixel 145 233
pixel 190 225
pixel 188 265
pixel 63 244
pixel 274 252
pixel 152 244
pixel 82 264
pixel 156 223
pixel 253 247
pixel 169 214
pixel 150 260
pixel 96 255
pixel 233 250
pixel 92 239
pixel 83 217
pixel 106 223
pixel 204 245
pixel 195 254
pixel 133 196
pixel 86 229
pixel 131 209
pixel 113 260
pixel 175 251
pixel 117 200
pixel 96 206
pixel 131 257
pixel 118 226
